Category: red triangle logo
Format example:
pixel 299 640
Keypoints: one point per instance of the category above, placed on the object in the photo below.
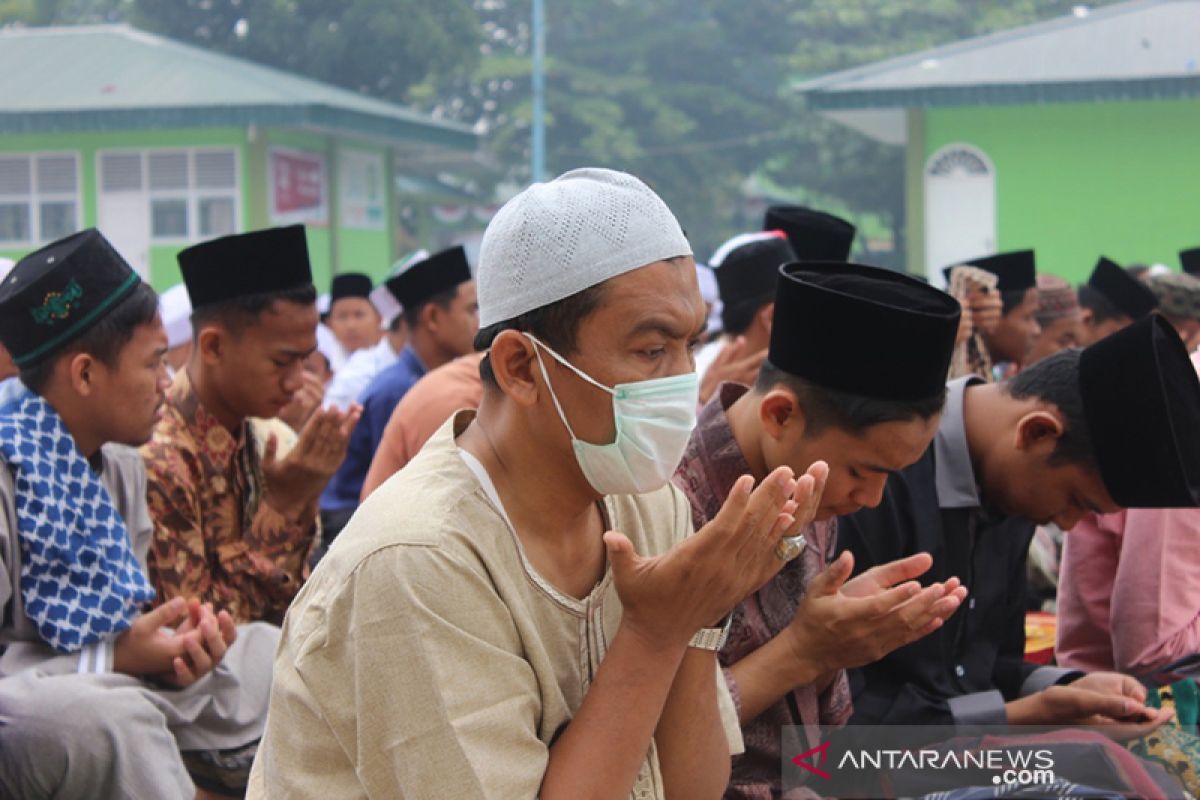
pixel 821 751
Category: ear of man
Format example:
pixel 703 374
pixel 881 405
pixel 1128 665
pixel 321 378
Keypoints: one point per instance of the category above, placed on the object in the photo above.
pixel 1038 432
pixel 514 363
pixel 779 410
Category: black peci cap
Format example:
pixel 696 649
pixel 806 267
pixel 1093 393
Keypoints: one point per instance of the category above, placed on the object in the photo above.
pixel 416 283
pixel 259 262
pixel 813 235
pixel 1126 293
pixel 349 284
pixel 1016 270
pixel 747 268
pixel 863 330
pixel 1141 400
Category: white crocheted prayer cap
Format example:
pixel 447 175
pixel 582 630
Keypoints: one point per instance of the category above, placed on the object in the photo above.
pixel 176 309
pixel 558 238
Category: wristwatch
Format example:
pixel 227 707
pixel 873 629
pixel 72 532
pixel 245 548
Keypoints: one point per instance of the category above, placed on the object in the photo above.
pixel 712 638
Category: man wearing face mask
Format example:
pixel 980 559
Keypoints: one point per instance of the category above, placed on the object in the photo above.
pixel 521 611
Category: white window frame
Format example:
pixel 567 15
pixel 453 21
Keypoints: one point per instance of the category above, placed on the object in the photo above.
pixel 192 194
pixel 34 198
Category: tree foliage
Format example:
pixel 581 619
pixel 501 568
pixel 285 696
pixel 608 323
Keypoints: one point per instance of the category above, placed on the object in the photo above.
pixel 695 96
pixel 378 47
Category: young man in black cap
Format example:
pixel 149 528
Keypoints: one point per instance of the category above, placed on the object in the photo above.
pixel 442 314
pixel 353 378
pixel 1091 430
pixel 1111 299
pixel 1012 339
pixel 746 269
pixel 234 517
pixel 352 317
pixel 792 640
pixel 98 697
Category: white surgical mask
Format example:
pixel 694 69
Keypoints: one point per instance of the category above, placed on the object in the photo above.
pixel 654 420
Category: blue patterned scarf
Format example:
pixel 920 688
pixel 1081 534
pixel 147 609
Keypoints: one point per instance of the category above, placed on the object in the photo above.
pixel 79 577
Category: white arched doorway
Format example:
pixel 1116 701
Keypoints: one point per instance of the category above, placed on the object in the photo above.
pixel 960 207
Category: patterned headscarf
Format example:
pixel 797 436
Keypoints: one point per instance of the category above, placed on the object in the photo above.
pixel 80 579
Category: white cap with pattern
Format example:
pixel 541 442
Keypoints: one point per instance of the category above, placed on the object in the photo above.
pixel 556 239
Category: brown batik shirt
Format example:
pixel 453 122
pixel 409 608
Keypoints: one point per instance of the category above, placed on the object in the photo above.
pixel 214 536
pixel 711 465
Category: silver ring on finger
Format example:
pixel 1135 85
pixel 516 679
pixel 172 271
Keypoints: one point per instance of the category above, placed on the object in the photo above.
pixel 789 547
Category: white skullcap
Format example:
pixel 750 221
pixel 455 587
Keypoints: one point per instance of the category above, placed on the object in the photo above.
pixel 330 347
pixel 711 294
pixel 176 309
pixel 558 238
pixel 708 283
pixel 381 296
pixel 741 240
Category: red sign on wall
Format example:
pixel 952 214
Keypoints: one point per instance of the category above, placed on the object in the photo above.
pixel 298 187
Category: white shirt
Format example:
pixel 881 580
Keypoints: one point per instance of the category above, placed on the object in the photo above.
pixel 707 354
pixel 352 380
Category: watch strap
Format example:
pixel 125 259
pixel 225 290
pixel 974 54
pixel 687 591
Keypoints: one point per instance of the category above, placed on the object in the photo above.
pixel 712 638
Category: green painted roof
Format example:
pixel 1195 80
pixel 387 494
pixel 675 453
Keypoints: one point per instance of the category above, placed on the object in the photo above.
pixel 108 77
pixel 1147 49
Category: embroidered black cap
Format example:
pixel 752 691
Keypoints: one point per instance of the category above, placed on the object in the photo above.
pixel 864 330
pixel 56 294
pixel 259 262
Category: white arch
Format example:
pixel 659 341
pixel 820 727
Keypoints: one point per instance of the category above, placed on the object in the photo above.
pixel 960 207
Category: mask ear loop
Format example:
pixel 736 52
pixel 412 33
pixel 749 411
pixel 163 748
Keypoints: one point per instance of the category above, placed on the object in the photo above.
pixel 546 377
pixel 566 364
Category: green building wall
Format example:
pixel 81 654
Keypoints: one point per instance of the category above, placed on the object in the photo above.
pixel 1076 181
pixel 331 248
pixel 164 271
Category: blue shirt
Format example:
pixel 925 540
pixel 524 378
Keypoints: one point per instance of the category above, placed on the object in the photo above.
pixel 378 402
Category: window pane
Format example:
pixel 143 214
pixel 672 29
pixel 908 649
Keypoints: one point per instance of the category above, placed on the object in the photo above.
pixel 56 174
pixel 168 170
pixel 216 216
pixel 14 222
pixel 168 219
pixel 14 175
pixel 120 172
pixel 58 219
pixel 216 170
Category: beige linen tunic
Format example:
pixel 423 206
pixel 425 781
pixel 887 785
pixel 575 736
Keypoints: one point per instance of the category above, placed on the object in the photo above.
pixel 425 658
